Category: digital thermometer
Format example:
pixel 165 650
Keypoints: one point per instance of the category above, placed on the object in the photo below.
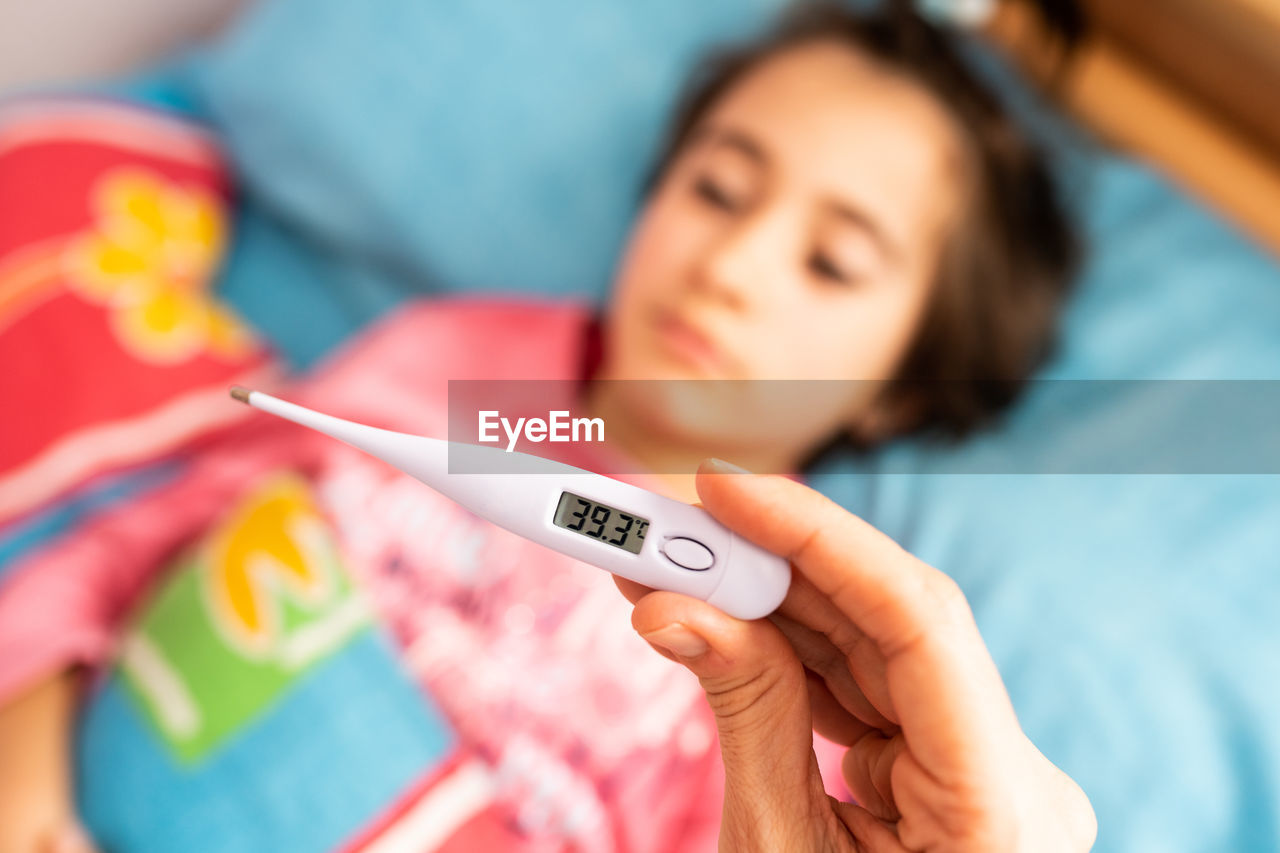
pixel 621 528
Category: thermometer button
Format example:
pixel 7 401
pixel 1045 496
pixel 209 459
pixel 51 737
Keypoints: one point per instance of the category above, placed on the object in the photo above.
pixel 688 554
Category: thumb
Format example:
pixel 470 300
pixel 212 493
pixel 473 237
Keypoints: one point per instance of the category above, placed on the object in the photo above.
pixel 756 688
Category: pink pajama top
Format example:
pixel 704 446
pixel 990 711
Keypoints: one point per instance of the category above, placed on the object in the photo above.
pixel 530 654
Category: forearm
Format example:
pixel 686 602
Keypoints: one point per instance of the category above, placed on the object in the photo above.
pixel 36 791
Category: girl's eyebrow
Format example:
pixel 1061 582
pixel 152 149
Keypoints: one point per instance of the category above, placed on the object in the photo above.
pixel 734 139
pixel 863 220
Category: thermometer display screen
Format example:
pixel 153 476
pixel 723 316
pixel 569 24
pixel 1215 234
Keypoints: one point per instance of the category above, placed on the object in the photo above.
pixel 598 521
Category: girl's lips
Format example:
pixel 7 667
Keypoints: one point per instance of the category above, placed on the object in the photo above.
pixel 689 345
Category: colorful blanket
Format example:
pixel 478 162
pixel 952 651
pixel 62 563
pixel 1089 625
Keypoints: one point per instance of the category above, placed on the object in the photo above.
pixel 113 221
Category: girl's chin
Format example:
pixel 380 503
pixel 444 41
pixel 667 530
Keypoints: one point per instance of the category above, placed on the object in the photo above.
pixel 685 412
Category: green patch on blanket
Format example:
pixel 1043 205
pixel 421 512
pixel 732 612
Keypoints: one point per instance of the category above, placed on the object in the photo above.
pixel 245 614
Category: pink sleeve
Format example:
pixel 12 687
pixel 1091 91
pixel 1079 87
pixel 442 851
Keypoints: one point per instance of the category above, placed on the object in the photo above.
pixel 63 604
pixel 57 606
pixel 47 621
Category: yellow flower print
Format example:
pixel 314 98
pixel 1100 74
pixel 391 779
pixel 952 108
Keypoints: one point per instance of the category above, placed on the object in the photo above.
pixel 273 549
pixel 150 259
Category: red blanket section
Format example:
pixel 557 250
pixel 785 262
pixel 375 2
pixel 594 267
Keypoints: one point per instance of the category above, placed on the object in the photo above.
pixel 113 349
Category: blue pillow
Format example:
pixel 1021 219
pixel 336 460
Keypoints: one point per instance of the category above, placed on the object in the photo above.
pixel 500 146
pixel 487 145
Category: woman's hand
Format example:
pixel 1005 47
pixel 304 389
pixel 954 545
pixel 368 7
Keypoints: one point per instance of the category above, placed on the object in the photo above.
pixel 878 652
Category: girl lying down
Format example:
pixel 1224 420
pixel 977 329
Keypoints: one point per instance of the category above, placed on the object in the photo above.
pixel 842 200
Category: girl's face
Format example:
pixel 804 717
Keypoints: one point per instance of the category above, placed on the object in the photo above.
pixel 795 235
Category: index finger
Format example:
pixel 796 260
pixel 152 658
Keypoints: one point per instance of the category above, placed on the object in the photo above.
pixel 889 594
pixel 943 685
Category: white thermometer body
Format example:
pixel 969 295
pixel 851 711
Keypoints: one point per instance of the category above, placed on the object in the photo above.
pixel 621 528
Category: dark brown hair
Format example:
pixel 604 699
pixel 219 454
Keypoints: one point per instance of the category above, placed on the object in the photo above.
pixel 1007 266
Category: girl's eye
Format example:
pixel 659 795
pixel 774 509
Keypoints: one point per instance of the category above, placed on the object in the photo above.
pixel 824 268
pixel 710 192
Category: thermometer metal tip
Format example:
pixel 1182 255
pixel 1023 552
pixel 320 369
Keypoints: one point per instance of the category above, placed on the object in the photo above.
pixel 418 456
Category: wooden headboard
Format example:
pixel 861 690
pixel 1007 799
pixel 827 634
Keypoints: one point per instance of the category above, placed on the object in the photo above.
pixel 1186 83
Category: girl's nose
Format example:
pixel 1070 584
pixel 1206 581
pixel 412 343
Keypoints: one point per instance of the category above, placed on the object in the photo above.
pixel 737 262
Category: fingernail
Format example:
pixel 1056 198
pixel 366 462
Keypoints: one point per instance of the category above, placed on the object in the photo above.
pixel 719 466
pixel 678 640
